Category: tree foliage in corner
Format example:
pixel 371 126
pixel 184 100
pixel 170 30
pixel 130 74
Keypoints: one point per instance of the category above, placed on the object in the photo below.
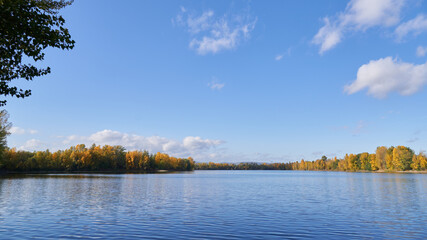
pixel 27 27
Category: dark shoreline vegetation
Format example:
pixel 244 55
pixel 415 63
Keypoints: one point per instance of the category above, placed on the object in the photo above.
pixel 115 159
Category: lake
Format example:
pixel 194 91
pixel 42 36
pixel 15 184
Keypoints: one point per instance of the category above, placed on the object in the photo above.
pixel 214 204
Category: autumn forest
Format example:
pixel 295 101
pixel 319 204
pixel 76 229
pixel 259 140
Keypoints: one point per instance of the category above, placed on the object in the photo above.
pixel 95 158
pixel 117 159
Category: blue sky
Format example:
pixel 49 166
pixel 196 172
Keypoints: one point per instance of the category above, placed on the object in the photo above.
pixel 233 81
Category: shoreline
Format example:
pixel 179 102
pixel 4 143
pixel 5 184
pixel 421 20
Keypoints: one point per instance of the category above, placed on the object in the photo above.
pixel 4 173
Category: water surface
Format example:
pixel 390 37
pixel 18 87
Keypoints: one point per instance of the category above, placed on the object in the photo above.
pixel 214 204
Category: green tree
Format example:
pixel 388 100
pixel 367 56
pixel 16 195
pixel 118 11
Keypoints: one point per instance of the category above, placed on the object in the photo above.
pixel 365 161
pixel 4 132
pixel 27 28
pixel 354 162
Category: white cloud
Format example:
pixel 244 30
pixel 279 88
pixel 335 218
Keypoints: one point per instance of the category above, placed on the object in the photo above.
pixel 414 26
pixel 367 13
pixel 212 35
pixel 201 149
pixel 21 131
pixel 189 146
pixel 421 51
pixel 359 15
pixel 281 55
pixel 197 143
pixel 387 75
pixel 32 145
pixel 278 57
pixel 215 84
pixel 328 36
pixel 72 138
pixel 17 130
pixel 31 131
pixel 201 23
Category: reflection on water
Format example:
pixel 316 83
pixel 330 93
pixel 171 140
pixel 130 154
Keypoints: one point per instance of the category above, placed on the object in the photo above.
pixel 214 204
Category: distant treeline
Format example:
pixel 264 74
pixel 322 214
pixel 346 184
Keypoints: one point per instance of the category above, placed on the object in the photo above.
pixel 95 158
pixel 398 158
pixel 116 158
pixel 243 166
